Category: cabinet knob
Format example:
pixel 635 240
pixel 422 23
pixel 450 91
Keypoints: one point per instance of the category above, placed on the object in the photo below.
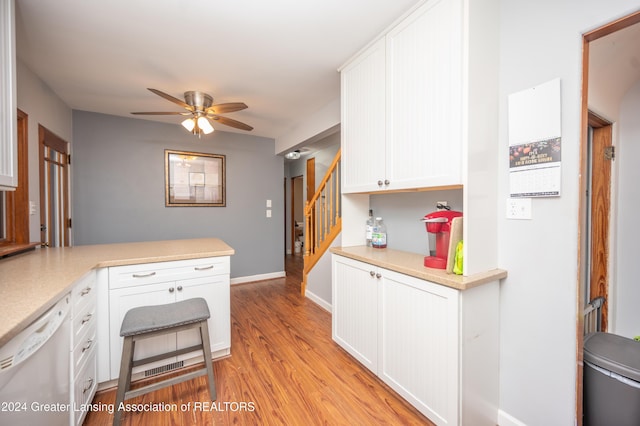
pixel 379 183
pixel 171 290
pixel 386 181
pixel 378 275
pixel 179 288
pixel 372 273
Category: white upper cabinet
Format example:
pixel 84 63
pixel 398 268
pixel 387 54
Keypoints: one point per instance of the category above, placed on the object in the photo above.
pixel 401 105
pixel 8 104
pixel 423 94
pixel 363 121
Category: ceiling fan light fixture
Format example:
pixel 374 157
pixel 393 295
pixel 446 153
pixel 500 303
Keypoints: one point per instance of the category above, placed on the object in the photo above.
pixel 204 125
pixel 189 124
pixel 293 155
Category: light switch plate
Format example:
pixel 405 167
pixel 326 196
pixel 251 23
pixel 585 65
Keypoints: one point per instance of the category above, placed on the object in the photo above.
pixel 519 208
pixel 268 212
pixel 268 203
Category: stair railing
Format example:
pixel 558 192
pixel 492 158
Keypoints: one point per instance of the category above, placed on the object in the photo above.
pixel 322 218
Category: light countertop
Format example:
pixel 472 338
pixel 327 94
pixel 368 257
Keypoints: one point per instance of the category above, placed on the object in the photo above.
pixel 412 264
pixel 32 282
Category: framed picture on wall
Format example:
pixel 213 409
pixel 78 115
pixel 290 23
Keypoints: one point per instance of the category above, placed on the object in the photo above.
pixel 194 179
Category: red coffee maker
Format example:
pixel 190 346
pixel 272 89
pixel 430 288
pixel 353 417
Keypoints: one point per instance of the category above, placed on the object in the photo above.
pixel 439 223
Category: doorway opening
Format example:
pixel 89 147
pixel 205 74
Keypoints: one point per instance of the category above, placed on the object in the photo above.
pixel 55 221
pixel 297 215
pixel 596 236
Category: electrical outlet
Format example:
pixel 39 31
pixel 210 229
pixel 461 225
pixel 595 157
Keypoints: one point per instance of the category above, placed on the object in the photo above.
pixel 519 208
pixel 442 205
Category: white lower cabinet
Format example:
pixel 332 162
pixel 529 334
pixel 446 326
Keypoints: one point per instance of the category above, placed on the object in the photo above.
pixel 355 310
pixel 434 345
pixel 83 375
pixel 167 282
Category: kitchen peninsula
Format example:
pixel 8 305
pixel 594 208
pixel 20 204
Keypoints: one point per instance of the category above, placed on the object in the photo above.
pixel 32 282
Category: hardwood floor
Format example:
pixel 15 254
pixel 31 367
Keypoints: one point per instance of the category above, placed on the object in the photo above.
pixel 284 369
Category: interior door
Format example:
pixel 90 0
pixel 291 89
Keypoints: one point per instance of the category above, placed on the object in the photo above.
pixel 601 155
pixel 54 189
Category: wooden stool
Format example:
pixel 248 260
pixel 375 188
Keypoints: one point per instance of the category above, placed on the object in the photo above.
pixel 148 321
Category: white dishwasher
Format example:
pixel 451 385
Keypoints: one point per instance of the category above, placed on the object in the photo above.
pixel 34 371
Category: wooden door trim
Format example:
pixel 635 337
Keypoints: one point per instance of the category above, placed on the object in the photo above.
pixel 17 202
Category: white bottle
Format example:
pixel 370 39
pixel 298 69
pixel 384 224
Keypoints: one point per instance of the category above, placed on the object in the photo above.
pixel 369 228
pixel 379 235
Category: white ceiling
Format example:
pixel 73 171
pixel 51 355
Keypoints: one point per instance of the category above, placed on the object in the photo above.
pixel 280 57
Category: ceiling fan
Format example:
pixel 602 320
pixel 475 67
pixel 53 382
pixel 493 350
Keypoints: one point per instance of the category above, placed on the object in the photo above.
pixel 199 106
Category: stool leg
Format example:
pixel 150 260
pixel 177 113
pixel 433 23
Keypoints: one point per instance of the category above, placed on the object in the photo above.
pixel 206 353
pixel 124 380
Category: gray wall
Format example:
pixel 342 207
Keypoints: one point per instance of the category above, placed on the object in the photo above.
pixel 118 194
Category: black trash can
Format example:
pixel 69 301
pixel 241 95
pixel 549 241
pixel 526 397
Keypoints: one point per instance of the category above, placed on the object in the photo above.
pixel 611 380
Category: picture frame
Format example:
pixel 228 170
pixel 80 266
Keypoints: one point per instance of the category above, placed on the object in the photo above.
pixel 194 179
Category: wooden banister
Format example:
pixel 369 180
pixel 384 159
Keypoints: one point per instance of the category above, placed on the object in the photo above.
pixel 322 218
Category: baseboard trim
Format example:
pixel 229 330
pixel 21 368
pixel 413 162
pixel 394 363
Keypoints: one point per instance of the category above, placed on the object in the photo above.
pixel 318 301
pixel 260 277
pixel 505 419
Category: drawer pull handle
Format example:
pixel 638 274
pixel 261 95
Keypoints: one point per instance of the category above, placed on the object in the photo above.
pixel 171 289
pixel 372 273
pixel 86 318
pixel 85 291
pixel 379 183
pixel 203 268
pixel 88 386
pixel 179 288
pixel 150 274
pixel 87 346
pixel 378 275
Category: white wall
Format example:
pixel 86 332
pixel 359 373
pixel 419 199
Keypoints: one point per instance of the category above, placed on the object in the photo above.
pixel 44 107
pixel 540 41
pixel 627 294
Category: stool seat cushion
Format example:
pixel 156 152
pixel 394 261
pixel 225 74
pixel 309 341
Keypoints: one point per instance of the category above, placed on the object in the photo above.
pixel 145 319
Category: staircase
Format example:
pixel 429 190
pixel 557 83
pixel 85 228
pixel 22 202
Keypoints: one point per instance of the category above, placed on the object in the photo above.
pixel 322 219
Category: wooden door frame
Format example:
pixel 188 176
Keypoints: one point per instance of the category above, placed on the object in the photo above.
pixel 588 37
pixel 47 138
pixel 17 201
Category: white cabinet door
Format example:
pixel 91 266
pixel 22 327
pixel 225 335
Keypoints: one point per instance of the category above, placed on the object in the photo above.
pixel 424 97
pixel 121 300
pixel 8 104
pixel 216 291
pixel 363 121
pixel 355 309
pixel 419 344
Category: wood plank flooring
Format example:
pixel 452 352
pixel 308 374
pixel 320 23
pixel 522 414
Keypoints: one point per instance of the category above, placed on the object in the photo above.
pixel 284 369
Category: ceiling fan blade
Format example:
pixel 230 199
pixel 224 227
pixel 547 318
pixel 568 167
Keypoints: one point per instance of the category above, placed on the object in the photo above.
pixel 162 113
pixel 228 107
pixel 172 99
pixel 231 122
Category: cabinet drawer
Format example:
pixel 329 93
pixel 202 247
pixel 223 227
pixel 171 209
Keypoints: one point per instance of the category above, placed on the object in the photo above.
pixel 82 320
pixel 84 346
pixel 84 387
pixel 84 291
pixel 150 273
